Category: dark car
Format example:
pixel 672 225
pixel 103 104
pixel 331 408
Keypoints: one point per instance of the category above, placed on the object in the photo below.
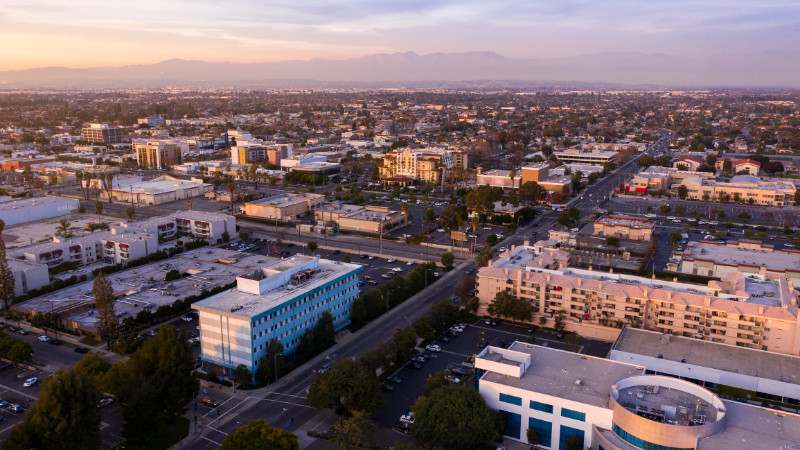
pixel 450 334
pixel 531 330
pixel 387 387
pixel 496 322
pixel 415 365
pixel 81 350
pixel 395 380
pixel 363 256
pixel 402 426
pixel 443 339
pixel 458 371
pixel 336 252
pixel 290 244
pixel 560 335
pixel 197 363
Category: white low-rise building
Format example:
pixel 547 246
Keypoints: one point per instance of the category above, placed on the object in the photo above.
pixel 14 211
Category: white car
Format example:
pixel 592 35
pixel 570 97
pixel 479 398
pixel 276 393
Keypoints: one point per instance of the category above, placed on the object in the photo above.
pixel 433 348
pixel 397 269
pixel 44 338
pixel 502 249
pixel 440 230
pixel 411 263
pixel 30 382
pixel 391 260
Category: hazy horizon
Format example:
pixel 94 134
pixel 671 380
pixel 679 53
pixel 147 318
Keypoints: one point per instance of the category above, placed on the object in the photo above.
pixel 704 38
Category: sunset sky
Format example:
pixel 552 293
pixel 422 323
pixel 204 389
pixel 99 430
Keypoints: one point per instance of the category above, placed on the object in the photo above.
pixel 89 33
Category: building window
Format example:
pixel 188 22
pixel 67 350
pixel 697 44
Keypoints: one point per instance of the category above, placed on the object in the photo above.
pixel 640 443
pixel 544 431
pixel 544 407
pixel 568 413
pixel 510 399
pixel 566 433
pixel 513 424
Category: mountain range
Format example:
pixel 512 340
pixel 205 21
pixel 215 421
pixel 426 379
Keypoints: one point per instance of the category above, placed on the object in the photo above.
pixel 767 69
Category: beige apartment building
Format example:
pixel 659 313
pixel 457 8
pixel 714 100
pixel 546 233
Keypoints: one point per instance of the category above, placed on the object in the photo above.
pixel 282 207
pixel 713 259
pixel 624 227
pixel 741 189
pixel 364 219
pixel 157 154
pixel 421 164
pixel 746 310
pixel 656 178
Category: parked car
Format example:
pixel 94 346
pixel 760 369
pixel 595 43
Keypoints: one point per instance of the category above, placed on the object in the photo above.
pixel 55 342
pixel 403 427
pixel 22 332
pixel 391 260
pixel 81 350
pixel 210 402
pixel 452 379
pixel 468 272
pixel 433 348
pixel 415 365
pixel 105 401
pixel 411 263
pixel 418 359
pixel 387 387
pixel 395 380
pixel 458 371
pixel 44 338
pixel 30 382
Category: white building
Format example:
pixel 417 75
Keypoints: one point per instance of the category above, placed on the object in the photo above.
pixel 14 211
pixel 159 190
pixel 27 276
pixel 278 300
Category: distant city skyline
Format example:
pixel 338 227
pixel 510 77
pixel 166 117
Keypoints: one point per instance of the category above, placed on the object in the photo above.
pixel 92 33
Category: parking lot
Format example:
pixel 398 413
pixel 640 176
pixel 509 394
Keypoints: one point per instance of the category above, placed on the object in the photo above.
pixel 455 354
pixel 13 392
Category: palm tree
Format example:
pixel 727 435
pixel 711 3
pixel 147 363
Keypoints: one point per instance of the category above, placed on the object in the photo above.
pixel 231 189
pixel 405 213
pixel 63 228
pixel 108 182
pixel 475 221
pixel 512 174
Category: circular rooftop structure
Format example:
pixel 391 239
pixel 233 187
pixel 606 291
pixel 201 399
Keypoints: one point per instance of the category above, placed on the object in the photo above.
pixel 651 411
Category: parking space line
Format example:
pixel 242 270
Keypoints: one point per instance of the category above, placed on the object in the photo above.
pixel 7 428
pixel 290 395
pixel 18 392
pixel 212 441
pixel 454 353
pixel 288 403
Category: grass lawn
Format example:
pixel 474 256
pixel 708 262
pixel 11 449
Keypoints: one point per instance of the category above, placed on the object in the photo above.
pixel 89 341
pixel 165 439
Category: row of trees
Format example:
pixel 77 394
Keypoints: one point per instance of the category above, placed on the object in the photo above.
pixel 371 305
pixel 152 386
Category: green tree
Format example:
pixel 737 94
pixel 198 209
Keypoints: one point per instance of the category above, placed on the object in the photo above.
pixel 104 303
pixel 257 435
pixel 558 323
pixel 324 332
pixel 348 385
pixel 565 219
pixel 430 214
pixel 98 206
pixel 533 436
pixel 354 432
pixel 231 192
pixel 312 246
pixel 7 281
pixel 744 215
pixel 242 375
pixel 450 218
pixel 447 260
pixel 675 237
pixel 532 191
pixel 505 305
pixel 424 328
pixel 94 366
pixel 172 275
pixel 63 228
pixel 665 209
pixel 65 416
pixel 346 258
pixel 434 381
pixel 484 256
pixel 443 314
pixel 130 213
pixel 721 214
pixel 612 241
pixel 455 416
pixel 272 365
pixel 680 209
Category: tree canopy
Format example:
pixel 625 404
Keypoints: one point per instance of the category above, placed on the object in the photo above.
pixel 349 385
pixel 257 435
pixel 505 305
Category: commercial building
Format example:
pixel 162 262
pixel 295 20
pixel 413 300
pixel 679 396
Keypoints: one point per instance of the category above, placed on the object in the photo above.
pixel 14 211
pixel 688 162
pixel 746 310
pixel 248 153
pixel 157 154
pixel 656 178
pixel 741 189
pixel 624 227
pixel 21 163
pixel 594 157
pixel 364 219
pixel 159 190
pixel 535 172
pixel 285 207
pixel 767 376
pixel 498 178
pixel 604 404
pixel 278 300
pixel 714 259
pixel 421 164
pixel 741 165
pixel 151 121
pixel 101 132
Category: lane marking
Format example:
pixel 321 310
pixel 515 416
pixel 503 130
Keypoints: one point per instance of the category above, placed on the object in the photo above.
pixel 290 395
pixel 212 441
pixel 287 403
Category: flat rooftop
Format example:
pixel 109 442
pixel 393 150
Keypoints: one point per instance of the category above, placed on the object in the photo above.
pixel 33 232
pixel 249 304
pixel 157 186
pixel 714 355
pixel 283 200
pixel 665 405
pixel 735 256
pixel 623 221
pixel 556 373
pixel 9 203
pixel 144 287
pixel 754 427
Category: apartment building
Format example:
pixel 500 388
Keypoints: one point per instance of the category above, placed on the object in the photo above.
pixel 101 132
pixel 624 227
pixel 421 164
pixel 151 121
pixel 714 259
pixel 278 300
pixel 283 206
pixel 741 189
pixel 748 310
pixel 157 154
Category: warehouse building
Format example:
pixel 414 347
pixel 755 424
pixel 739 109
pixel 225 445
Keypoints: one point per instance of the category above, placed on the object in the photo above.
pixel 14 211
